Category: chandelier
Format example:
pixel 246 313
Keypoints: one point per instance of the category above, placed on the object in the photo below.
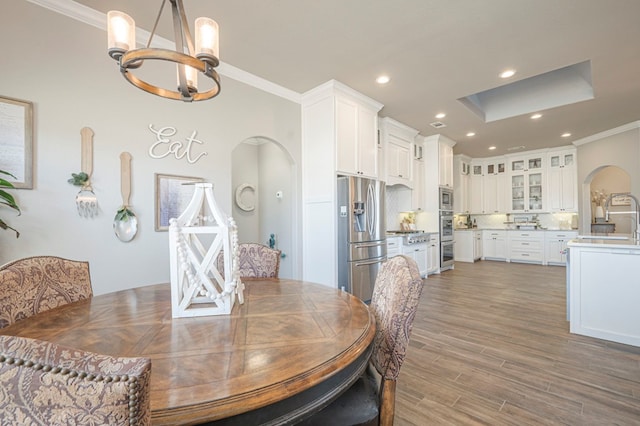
pixel 201 58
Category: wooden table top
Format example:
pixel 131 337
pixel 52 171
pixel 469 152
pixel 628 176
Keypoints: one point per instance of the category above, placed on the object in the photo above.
pixel 288 338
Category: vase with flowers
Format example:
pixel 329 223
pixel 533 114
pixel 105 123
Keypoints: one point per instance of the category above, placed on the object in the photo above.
pixel 598 198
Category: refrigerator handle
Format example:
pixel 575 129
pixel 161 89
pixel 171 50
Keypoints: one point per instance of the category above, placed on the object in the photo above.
pixel 371 210
pixel 371 262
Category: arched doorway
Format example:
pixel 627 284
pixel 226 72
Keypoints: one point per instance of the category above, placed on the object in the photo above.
pixel 264 187
pixel 602 182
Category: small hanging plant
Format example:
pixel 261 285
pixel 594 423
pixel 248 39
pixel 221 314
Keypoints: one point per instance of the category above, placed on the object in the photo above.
pixel 7 200
pixel 124 214
pixel 79 179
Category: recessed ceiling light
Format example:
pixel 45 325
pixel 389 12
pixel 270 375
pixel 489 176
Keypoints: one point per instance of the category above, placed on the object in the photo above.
pixel 507 73
pixel 441 115
pixel 383 79
pixel 566 135
pixel 536 116
pixel 492 148
pixel 470 134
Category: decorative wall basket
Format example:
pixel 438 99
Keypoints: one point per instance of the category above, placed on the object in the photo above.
pixel 196 239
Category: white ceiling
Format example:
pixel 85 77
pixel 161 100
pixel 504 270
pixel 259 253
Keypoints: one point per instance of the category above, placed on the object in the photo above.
pixel 435 51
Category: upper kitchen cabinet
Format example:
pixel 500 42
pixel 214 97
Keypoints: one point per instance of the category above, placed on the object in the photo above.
pixel 461 182
pixel 527 188
pixel 476 205
pixel 494 185
pixel 562 181
pixel 440 147
pixel 356 137
pixel 398 145
pixel 417 192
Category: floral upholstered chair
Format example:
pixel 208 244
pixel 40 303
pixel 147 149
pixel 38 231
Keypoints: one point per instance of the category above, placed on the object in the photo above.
pixel 46 384
pixel 36 284
pixel 394 303
pixel 254 261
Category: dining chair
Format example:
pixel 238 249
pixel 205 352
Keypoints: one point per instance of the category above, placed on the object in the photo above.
pixel 39 283
pixel 47 384
pixel 254 261
pixel 371 400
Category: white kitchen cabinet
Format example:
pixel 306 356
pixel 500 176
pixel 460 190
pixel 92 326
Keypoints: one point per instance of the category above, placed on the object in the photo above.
pixel 562 192
pixel 526 246
pixel 394 246
pixel 418 252
pixel 433 162
pixel 445 163
pixel 461 182
pixel 332 119
pixel 433 254
pixel 477 245
pixel 475 196
pixel 468 245
pixel 494 186
pixel 397 140
pixel 356 138
pixel 527 183
pixel 494 244
pixel 417 191
pixel 555 243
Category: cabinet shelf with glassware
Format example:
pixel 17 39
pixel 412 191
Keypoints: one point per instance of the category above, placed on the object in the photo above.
pixel 397 142
pixel 527 192
pixel 562 181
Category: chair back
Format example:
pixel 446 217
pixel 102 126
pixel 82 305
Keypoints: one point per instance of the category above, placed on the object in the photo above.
pixel 254 261
pixel 36 284
pixel 394 303
pixel 46 384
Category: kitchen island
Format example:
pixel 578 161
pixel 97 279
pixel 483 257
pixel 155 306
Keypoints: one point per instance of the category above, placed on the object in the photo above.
pixel 603 288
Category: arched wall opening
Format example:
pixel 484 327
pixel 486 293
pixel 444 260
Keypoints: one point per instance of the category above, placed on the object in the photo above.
pixel 264 188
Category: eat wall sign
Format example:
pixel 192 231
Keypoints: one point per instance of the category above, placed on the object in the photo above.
pixel 165 145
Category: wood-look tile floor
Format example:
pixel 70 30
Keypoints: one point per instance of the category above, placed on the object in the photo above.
pixel 491 346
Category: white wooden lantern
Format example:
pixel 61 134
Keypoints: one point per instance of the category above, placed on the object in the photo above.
pixel 195 240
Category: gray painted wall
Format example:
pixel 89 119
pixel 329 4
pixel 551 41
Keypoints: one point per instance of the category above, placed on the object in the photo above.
pixel 61 65
pixel 621 150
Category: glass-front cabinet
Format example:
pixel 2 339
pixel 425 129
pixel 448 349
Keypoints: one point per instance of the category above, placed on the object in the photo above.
pixel 527 190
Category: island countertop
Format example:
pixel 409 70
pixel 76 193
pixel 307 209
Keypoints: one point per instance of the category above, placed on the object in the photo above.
pixel 622 241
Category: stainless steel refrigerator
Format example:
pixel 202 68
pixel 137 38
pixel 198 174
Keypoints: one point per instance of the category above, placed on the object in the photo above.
pixel 362 245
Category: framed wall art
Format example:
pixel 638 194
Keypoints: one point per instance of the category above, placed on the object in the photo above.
pixel 16 140
pixel 173 194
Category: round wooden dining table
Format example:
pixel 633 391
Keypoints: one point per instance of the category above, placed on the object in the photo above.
pixel 286 352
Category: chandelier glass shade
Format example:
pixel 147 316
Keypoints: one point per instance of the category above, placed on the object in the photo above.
pixel 190 59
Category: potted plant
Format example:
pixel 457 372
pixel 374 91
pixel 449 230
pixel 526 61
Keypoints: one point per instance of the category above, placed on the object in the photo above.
pixel 7 199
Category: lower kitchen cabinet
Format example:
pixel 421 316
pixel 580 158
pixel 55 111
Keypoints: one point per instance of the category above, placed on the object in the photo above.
pixel 417 252
pixel 433 254
pixel 526 246
pixel 468 246
pixel 494 244
pixel 555 243
pixel 394 246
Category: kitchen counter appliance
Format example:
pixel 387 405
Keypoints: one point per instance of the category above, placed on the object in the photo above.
pixel 362 245
pixel 446 229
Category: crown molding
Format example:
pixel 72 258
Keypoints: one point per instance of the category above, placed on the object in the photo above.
pixel 97 19
pixel 607 133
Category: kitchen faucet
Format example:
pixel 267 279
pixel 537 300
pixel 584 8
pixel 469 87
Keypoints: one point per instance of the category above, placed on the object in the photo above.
pixel 636 232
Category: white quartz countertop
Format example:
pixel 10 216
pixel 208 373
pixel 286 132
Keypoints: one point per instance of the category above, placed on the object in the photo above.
pixel 605 241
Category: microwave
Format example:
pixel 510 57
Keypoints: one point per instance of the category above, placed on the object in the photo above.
pixel 446 199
